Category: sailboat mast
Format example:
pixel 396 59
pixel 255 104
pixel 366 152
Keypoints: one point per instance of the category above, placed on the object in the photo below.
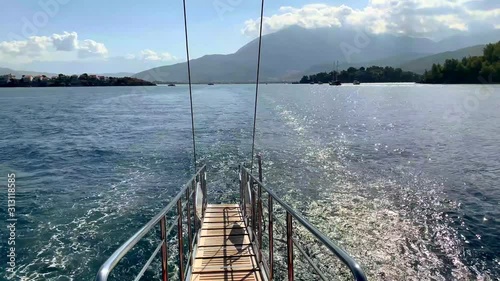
pixel 335 81
pixel 334 72
pixel 337 71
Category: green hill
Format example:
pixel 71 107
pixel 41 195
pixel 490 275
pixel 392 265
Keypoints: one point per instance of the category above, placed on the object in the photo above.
pixel 421 64
pixel 469 70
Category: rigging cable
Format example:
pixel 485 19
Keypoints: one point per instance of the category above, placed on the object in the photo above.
pixel 257 82
pixel 189 80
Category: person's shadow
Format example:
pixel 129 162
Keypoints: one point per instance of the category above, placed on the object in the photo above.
pixel 237 239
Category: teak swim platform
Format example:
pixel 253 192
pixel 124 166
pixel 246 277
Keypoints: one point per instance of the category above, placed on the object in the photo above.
pixel 198 241
pixel 224 249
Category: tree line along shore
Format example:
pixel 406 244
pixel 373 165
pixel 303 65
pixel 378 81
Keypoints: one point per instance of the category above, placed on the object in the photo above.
pixel 372 74
pixel 62 80
pixel 468 70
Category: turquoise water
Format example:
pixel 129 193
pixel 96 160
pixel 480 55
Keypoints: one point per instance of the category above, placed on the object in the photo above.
pixel 405 177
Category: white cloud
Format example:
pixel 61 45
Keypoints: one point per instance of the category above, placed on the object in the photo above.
pixel 44 47
pixel 66 41
pixel 130 56
pixel 427 18
pixel 150 55
pixel 33 46
pixel 90 48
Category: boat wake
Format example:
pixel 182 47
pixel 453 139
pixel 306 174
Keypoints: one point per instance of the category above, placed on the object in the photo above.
pixel 397 231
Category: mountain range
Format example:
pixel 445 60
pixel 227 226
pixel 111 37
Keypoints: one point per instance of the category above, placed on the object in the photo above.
pixel 291 52
pixel 19 73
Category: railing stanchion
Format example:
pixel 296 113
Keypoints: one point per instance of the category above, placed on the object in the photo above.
pixel 259 159
pixel 246 194
pixel 203 180
pixel 271 238
pixel 163 236
pixel 254 210
pixel 242 199
pixel 180 240
pixel 242 190
pixel 259 220
pixel 289 240
pixel 259 207
pixel 188 218
pixel 240 172
pixel 195 223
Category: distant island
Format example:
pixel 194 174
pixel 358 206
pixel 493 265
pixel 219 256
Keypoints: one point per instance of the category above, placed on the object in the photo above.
pixel 372 74
pixel 469 70
pixel 84 80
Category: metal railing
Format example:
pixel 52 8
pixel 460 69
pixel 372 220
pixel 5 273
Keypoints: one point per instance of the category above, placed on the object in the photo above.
pixel 195 193
pixel 252 206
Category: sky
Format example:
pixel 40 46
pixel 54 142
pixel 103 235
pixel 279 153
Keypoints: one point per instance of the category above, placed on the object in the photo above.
pixel 69 36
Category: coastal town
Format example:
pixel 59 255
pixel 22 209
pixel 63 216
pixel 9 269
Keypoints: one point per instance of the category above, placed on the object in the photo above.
pixel 61 80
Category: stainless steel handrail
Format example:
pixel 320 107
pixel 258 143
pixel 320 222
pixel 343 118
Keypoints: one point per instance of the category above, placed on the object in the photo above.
pixel 115 258
pixel 245 178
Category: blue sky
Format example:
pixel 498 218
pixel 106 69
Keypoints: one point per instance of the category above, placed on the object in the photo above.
pixel 150 33
pixel 214 26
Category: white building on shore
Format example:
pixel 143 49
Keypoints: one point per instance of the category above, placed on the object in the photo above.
pixel 27 78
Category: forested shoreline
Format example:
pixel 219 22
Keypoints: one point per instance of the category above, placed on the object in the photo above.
pixel 372 74
pixel 468 70
pixel 84 80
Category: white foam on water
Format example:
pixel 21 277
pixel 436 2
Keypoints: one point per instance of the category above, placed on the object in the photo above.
pixel 388 240
pixel 74 245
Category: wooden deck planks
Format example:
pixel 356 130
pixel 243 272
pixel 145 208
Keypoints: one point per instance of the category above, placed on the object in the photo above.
pixel 229 276
pixel 210 241
pixel 223 206
pixel 223 219
pixel 228 251
pixel 217 264
pixel 224 250
pixel 238 230
pixel 223 225
pixel 231 214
